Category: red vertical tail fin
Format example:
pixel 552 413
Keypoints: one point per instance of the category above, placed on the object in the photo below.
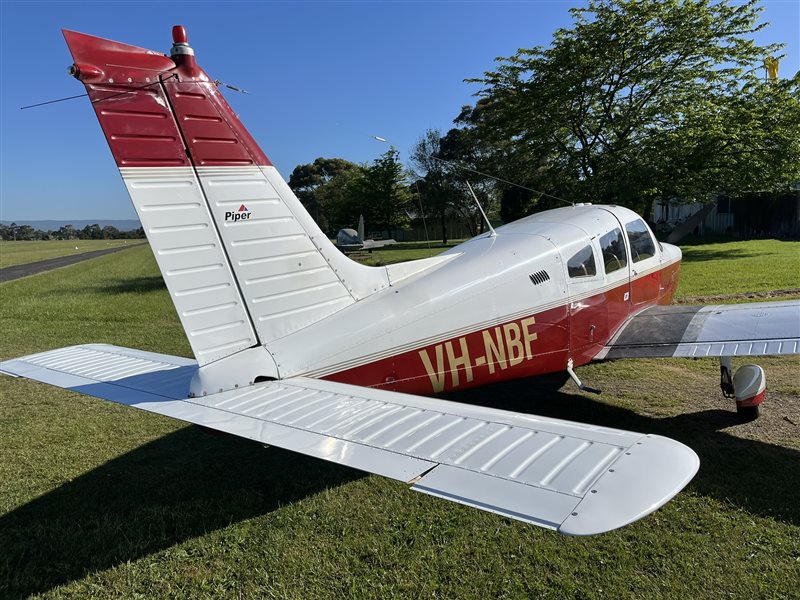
pixel 237 277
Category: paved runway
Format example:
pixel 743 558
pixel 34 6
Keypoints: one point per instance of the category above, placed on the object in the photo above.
pixel 17 271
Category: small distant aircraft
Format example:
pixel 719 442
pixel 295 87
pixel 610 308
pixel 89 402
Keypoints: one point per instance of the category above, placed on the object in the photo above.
pixel 350 240
pixel 299 347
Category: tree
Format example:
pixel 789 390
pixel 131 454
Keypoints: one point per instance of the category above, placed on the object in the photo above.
pixel 24 232
pixel 468 157
pixel 91 232
pixel 109 232
pixel 67 232
pixel 12 231
pixel 434 184
pixel 639 100
pixel 320 187
pixel 440 164
pixel 381 192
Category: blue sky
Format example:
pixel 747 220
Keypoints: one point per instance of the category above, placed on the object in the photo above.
pixel 324 77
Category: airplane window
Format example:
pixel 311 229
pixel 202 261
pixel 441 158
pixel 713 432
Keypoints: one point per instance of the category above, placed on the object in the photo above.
pixel 582 264
pixel 613 247
pixel 642 246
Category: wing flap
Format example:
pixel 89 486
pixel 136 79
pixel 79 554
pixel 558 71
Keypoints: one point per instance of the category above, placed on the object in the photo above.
pixel 538 470
pixel 752 329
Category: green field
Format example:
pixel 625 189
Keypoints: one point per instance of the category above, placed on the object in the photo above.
pixel 734 267
pixel 99 500
pixel 23 252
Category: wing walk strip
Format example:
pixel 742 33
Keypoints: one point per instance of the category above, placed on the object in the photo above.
pixel 578 479
pixel 753 329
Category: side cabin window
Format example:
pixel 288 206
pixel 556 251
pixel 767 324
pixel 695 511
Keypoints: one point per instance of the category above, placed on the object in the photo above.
pixel 641 242
pixel 582 263
pixel 613 248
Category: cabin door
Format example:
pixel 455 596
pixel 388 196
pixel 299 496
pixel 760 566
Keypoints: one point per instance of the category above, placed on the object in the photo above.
pixel 588 321
pixel 616 265
pixel 645 263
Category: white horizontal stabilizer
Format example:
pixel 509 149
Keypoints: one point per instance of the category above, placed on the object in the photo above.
pixel 574 478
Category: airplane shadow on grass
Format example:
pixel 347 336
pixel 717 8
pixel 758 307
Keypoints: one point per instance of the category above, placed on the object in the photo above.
pixel 187 484
pixel 706 255
pixel 178 487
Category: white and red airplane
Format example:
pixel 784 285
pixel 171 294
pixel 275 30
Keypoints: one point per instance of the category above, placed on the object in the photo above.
pixel 299 347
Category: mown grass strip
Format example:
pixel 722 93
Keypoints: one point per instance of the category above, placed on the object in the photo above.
pixel 23 252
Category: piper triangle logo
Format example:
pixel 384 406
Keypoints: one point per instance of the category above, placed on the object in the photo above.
pixel 240 215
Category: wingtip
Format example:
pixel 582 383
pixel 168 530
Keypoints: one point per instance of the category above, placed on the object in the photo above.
pixel 648 475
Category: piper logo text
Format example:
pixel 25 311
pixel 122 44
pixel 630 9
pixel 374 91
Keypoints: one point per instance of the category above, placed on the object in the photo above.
pixel 240 215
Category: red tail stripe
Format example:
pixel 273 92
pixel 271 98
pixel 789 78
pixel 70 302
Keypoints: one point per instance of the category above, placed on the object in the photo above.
pixel 123 84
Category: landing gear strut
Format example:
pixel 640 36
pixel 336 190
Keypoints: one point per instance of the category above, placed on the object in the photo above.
pixel 747 386
pixel 574 377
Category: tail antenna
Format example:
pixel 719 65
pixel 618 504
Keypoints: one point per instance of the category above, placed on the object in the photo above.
pixel 218 83
pixel 480 208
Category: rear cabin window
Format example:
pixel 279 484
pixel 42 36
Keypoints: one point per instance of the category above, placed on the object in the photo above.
pixel 613 247
pixel 582 263
pixel 642 246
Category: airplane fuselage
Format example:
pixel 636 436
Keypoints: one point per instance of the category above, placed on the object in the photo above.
pixel 517 304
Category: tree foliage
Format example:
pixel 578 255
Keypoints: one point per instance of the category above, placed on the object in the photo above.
pixel 434 183
pixel 336 192
pixel 322 188
pixel 381 193
pixel 442 165
pixel 638 100
pixel 14 232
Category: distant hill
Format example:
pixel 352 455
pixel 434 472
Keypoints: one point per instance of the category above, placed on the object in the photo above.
pixel 121 224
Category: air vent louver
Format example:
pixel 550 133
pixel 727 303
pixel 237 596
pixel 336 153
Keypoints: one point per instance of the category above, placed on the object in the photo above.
pixel 539 277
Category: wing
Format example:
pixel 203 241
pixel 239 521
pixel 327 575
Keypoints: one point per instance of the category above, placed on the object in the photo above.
pixel 578 479
pixel 755 329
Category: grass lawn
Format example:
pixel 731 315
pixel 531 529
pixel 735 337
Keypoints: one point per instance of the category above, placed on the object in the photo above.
pixel 734 267
pixel 23 252
pixel 99 500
